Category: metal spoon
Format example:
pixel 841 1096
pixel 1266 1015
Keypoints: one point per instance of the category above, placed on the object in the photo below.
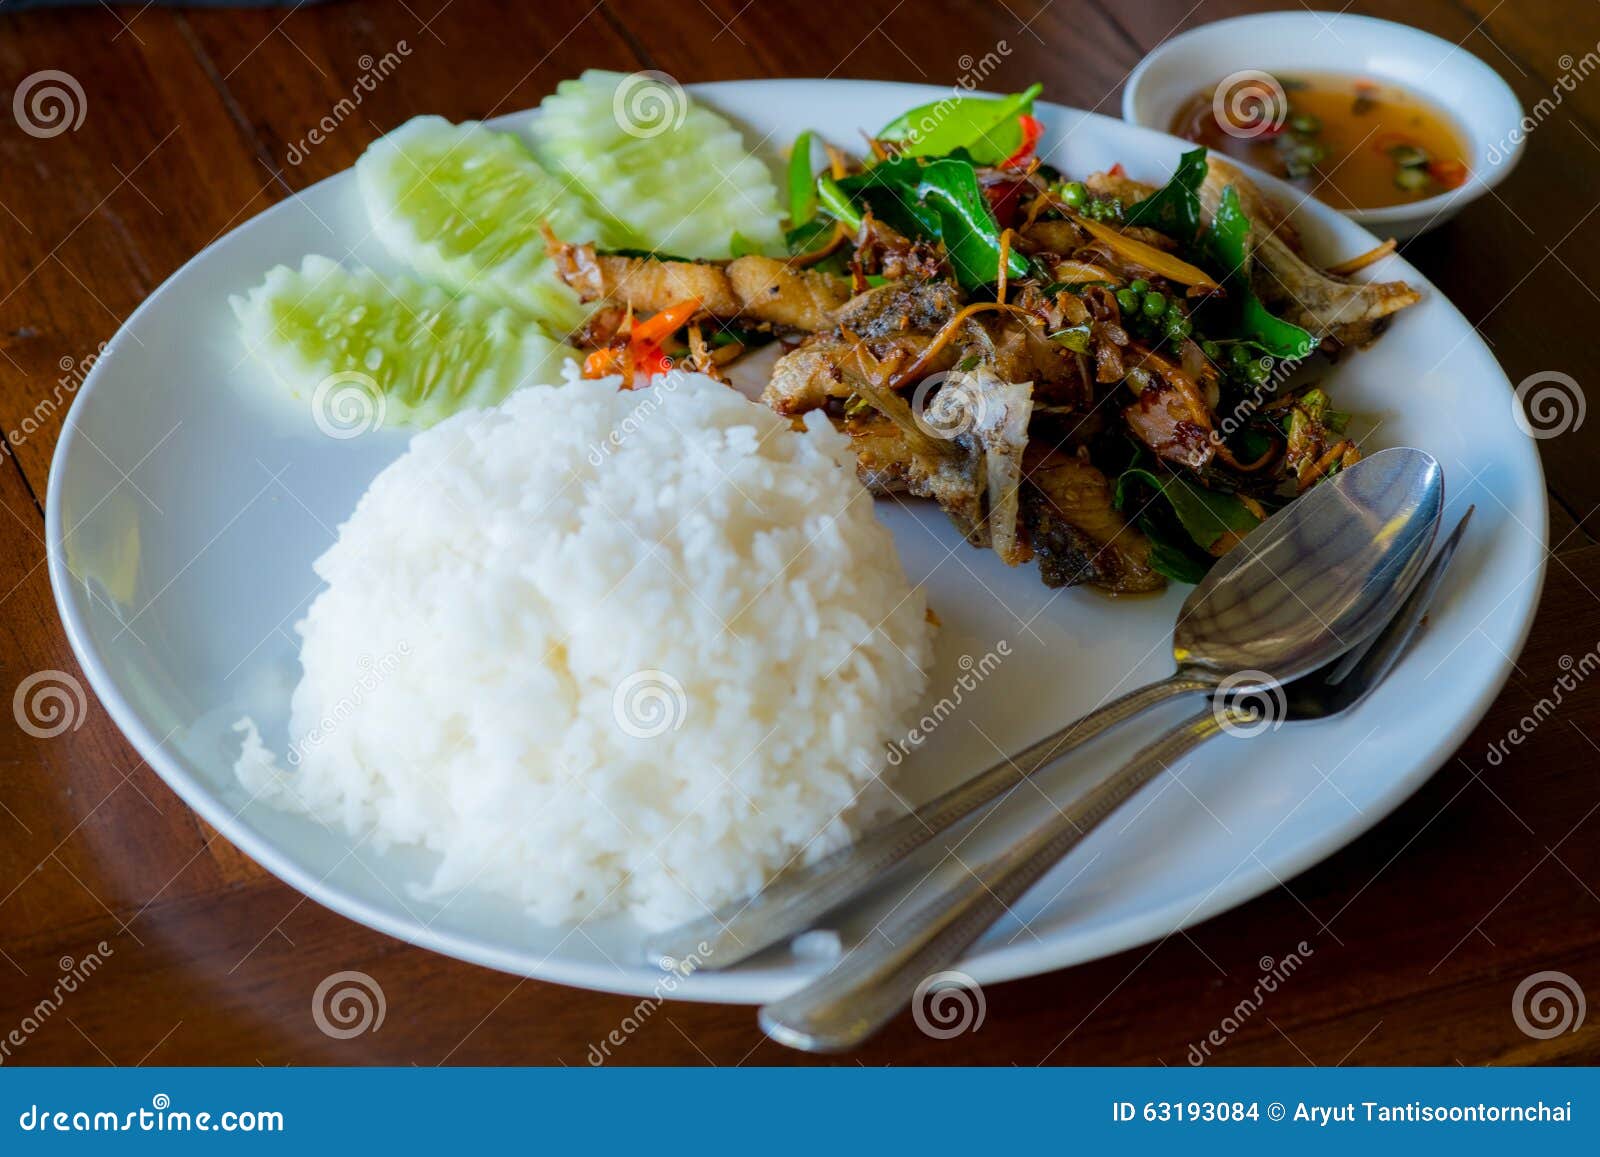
pixel 1308 584
pixel 878 977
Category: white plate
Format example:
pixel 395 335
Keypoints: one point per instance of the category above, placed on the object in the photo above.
pixel 178 584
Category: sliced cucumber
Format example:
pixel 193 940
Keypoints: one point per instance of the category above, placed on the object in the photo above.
pixel 427 353
pixel 677 175
pixel 462 204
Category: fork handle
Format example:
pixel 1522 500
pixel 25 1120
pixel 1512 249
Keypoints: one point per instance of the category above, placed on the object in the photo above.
pixel 880 976
pixel 801 896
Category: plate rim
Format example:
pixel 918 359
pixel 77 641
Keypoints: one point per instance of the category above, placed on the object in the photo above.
pixel 995 964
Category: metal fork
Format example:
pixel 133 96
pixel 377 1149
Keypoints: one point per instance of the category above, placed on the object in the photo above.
pixel 877 978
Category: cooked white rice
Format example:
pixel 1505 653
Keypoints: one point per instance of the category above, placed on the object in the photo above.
pixel 606 651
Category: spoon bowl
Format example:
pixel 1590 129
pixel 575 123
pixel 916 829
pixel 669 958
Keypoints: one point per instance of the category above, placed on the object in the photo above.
pixel 1319 577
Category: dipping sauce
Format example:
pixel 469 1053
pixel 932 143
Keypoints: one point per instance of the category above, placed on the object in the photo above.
pixel 1347 140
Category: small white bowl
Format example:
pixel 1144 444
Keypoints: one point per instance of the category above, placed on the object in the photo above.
pixel 1482 105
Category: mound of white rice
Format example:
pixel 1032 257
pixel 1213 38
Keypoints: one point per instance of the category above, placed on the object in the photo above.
pixel 606 651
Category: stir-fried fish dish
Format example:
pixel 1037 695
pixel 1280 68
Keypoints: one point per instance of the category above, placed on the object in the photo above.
pixel 1092 373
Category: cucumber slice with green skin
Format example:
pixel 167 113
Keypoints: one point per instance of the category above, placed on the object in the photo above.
pixel 462 204
pixel 677 175
pixel 425 353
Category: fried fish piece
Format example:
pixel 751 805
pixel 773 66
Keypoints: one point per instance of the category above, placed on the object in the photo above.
pixel 749 289
pixel 1078 535
pixel 1351 313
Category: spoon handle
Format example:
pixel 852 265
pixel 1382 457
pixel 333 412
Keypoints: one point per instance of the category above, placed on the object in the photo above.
pixel 802 895
pixel 887 971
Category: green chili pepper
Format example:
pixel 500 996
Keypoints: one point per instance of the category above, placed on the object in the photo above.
pixel 834 200
pixel 802 190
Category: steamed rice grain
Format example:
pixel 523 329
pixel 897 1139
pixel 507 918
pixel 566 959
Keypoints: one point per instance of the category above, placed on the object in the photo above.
pixel 606 651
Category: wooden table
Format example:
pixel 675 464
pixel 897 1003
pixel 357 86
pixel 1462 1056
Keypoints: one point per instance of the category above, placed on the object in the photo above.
pixel 1421 931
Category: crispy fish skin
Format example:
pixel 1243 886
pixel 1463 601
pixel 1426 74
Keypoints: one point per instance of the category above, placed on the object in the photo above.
pixel 750 288
pixel 781 295
pixel 1078 536
pixel 806 377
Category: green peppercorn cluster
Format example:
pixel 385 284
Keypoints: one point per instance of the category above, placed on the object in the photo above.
pixel 1238 363
pixel 1075 196
pixel 1149 312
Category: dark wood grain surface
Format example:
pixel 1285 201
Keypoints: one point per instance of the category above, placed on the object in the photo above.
pixel 1421 931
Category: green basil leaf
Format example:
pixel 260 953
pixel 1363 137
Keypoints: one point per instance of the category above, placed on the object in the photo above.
pixel 985 126
pixel 1171 560
pixel 1174 209
pixel 970 232
pixel 939 200
pixel 1205 515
